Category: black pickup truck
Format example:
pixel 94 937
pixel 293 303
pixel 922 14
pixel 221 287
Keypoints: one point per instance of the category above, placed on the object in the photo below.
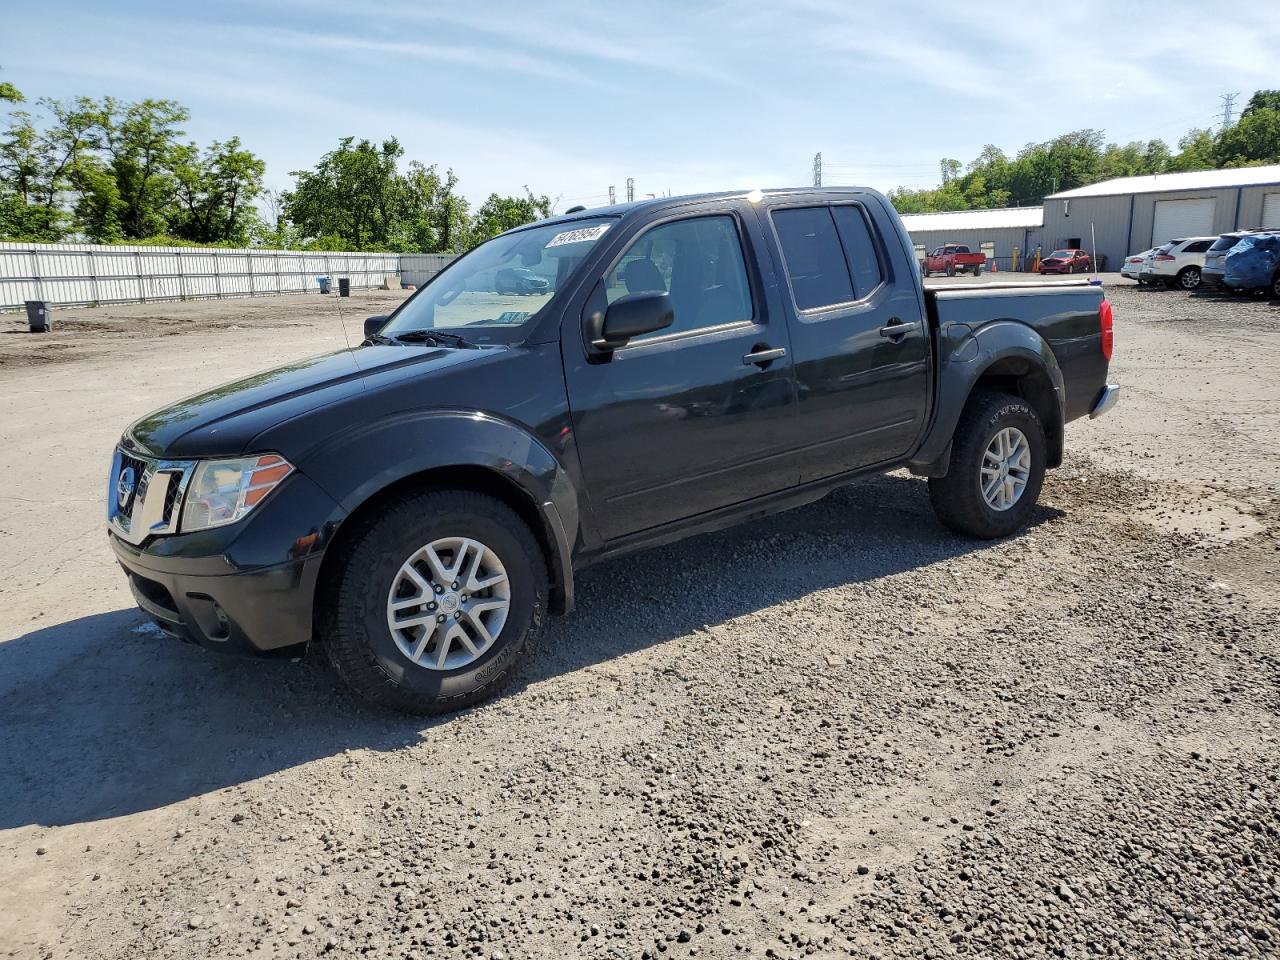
pixel 416 505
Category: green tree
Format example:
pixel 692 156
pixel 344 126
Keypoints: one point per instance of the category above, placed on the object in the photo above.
pixel 1196 151
pixel 38 165
pixel 354 193
pixel 503 213
pixel 214 193
pixel 9 93
pixel 141 145
pixel 1254 139
pixel 1262 100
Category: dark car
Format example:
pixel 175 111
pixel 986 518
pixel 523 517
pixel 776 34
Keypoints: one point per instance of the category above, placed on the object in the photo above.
pixel 417 505
pixel 1066 261
pixel 1215 260
pixel 519 280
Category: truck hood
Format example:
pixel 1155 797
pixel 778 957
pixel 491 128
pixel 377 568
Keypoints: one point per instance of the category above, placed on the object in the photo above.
pixel 223 421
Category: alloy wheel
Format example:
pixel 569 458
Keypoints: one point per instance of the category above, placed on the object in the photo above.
pixel 448 603
pixel 1006 467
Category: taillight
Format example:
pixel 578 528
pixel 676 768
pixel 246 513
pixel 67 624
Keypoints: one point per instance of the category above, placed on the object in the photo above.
pixel 1106 320
pixel 1165 256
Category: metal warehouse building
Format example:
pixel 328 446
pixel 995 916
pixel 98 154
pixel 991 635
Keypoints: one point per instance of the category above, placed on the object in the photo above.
pixel 1132 214
pixel 995 232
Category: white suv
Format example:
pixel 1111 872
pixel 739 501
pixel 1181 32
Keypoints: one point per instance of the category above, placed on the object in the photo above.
pixel 1177 263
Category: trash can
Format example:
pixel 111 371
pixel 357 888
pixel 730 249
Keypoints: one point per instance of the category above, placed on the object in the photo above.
pixel 344 286
pixel 39 316
pixel 324 284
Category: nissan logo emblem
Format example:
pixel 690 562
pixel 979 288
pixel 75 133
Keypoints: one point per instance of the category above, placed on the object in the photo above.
pixel 124 487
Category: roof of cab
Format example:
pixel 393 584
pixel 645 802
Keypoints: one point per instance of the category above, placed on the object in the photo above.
pixel 623 209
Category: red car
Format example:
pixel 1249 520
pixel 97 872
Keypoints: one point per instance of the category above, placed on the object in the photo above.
pixel 1066 261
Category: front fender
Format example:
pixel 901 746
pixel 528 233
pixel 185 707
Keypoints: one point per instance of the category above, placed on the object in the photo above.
pixel 354 465
pixel 969 355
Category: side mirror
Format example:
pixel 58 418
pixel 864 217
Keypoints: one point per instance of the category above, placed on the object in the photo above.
pixel 374 325
pixel 632 316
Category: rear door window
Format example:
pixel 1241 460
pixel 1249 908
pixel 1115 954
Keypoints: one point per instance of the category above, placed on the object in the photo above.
pixel 814 258
pixel 861 251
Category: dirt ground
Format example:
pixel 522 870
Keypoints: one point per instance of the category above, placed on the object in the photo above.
pixel 840 732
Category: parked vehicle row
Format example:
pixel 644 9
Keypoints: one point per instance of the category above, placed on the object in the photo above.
pixel 1243 261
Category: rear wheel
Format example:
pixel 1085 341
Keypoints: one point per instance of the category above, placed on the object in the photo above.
pixel 977 269
pixel 997 466
pixel 1189 278
pixel 1275 286
pixel 951 269
pixel 433 604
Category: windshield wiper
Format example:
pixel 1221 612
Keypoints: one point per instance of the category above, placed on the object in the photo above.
pixel 435 336
pixel 379 338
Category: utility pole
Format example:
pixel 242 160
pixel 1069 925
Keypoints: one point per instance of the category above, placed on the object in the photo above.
pixel 612 198
pixel 1228 108
pixel 631 189
pixel 817 169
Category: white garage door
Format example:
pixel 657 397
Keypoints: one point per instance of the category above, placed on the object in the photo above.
pixel 1176 219
pixel 1271 212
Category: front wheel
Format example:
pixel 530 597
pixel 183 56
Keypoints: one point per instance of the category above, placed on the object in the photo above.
pixel 997 465
pixel 432 604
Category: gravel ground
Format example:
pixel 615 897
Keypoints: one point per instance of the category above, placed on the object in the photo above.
pixel 840 732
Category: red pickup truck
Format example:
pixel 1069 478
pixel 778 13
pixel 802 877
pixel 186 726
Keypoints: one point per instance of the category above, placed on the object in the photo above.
pixel 953 258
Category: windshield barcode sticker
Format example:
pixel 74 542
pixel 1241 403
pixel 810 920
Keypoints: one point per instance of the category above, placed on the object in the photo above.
pixel 581 235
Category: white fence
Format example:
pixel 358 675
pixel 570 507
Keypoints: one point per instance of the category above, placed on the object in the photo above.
pixel 69 274
pixel 418 268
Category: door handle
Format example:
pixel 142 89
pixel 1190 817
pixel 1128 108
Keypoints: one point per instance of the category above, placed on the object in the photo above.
pixel 898 330
pixel 764 355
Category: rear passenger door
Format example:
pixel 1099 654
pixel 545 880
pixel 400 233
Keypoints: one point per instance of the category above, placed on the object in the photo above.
pixel 859 337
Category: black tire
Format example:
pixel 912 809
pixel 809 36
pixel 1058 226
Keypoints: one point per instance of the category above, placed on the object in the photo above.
pixel 1189 278
pixel 977 269
pixel 924 271
pixel 951 269
pixel 1275 286
pixel 352 612
pixel 957 498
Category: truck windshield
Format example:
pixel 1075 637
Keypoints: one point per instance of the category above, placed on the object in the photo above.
pixel 491 293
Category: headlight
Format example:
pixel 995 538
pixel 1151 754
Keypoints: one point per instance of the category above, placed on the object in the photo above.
pixel 223 491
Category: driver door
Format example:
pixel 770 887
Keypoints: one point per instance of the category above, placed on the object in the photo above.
pixel 700 415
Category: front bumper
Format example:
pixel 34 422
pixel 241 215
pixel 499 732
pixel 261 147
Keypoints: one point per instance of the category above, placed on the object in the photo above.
pixel 252 613
pixel 1107 399
pixel 247 587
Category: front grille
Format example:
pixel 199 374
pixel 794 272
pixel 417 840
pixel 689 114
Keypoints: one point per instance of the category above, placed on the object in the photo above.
pixel 171 498
pixel 146 509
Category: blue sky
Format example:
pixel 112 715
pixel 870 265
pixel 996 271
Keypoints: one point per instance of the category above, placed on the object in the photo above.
pixel 570 97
